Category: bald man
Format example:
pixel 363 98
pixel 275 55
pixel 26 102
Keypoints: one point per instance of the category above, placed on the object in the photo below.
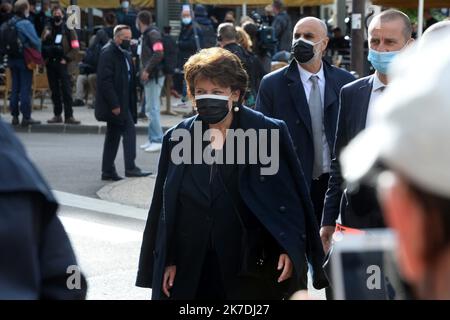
pixel 389 33
pixel 305 95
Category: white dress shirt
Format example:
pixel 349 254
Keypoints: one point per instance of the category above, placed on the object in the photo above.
pixel 128 67
pixel 377 91
pixel 307 85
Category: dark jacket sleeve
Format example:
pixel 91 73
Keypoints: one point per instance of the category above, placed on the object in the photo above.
pixel 264 100
pixel 152 38
pixel 146 259
pixel 58 263
pixel 334 193
pixel 187 43
pixel 72 54
pixel 35 251
pixel 314 249
pixel 19 269
pixel 49 49
pixel 105 79
pixel 279 25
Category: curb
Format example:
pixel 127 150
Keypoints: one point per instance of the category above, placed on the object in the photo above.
pixel 101 206
pixel 74 129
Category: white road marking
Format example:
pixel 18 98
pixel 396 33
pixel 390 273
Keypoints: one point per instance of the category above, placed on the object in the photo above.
pixel 99 231
pixel 91 204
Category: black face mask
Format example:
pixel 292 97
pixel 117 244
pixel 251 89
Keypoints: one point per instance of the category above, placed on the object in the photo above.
pixel 303 51
pixel 211 109
pixel 125 45
pixel 57 19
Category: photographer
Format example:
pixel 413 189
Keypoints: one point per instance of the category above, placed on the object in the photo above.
pixel 263 38
pixel 282 25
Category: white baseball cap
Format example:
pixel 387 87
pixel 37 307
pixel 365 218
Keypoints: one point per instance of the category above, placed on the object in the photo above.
pixel 410 132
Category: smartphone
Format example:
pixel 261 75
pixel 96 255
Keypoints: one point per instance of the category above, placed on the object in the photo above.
pixel 364 267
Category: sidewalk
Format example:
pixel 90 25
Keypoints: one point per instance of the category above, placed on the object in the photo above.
pixel 88 122
pixel 135 192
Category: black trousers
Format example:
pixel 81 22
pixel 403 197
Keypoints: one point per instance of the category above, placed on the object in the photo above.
pixel 318 189
pixel 114 132
pixel 210 285
pixel 61 87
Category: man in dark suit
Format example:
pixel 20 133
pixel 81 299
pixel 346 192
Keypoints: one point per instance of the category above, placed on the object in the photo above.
pixel 389 32
pixel 305 95
pixel 116 104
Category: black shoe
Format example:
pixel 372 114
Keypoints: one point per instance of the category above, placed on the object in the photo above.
pixel 142 115
pixel 29 122
pixel 15 121
pixel 136 173
pixel 78 103
pixel 72 120
pixel 111 177
pixel 55 119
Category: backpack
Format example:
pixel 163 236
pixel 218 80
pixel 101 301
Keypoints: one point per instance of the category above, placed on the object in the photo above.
pixel 209 35
pixel 10 43
pixel 170 60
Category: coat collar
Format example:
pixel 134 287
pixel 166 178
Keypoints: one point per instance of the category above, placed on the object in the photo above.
pixel 331 90
pixel 364 93
pixel 298 96
pixel 247 119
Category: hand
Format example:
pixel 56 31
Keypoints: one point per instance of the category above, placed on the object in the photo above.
pixel 46 33
pixel 301 295
pixel 285 263
pixel 63 61
pixel 116 111
pixel 144 76
pixel 326 235
pixel 169 277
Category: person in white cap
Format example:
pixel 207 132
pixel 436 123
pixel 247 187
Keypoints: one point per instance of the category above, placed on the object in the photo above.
pixel 406 154
pixel 389 33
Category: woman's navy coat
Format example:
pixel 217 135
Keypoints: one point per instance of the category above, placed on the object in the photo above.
pixel 281 202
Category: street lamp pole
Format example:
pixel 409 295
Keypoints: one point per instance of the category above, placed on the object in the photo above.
pixel 358 25
pixel 420 19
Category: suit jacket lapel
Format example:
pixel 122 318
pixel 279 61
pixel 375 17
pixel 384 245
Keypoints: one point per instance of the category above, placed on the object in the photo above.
pixel 365 91
pixel 331 92
pixel 297 92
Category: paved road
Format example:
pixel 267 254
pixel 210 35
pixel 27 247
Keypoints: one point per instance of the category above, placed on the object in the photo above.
pixel 107 248
pixel 72 162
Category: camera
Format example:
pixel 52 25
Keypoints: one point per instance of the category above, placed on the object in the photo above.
pixel 265 33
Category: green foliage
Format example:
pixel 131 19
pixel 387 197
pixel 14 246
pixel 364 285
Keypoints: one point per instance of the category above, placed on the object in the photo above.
pixel 413 15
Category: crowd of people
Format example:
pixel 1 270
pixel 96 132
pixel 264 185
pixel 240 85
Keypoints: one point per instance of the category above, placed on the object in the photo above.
pixel 225 230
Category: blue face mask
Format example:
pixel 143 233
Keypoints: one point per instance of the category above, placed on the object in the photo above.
pixel 381 60
pixel 186 21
